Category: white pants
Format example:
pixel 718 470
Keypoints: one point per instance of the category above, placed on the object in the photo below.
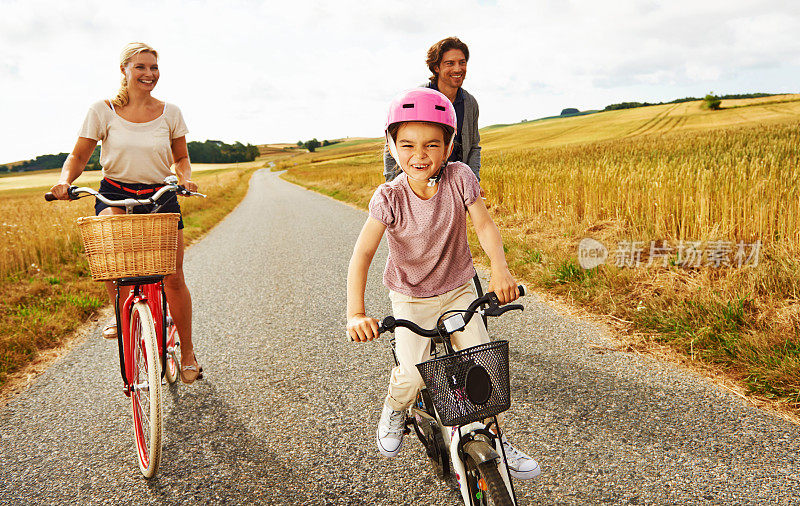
pixel 412 349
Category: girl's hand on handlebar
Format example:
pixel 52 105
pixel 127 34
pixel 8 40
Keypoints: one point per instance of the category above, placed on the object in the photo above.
pixel 60 190
pixel 362 328
pixel 504 286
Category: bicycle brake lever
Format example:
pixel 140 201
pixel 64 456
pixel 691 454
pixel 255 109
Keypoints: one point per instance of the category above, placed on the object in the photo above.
pixel 497 311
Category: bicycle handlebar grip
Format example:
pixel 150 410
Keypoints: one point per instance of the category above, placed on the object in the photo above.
pixel 387 324
pixel 70 193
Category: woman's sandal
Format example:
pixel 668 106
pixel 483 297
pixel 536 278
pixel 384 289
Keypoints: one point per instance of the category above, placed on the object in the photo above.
pixel 190 373
pixel 110 331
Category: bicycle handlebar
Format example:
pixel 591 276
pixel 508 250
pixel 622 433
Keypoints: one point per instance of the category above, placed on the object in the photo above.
pixel 389 323
pixel 171 184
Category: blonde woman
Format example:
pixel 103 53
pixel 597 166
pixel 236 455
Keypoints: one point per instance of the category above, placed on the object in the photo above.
pixel 141 137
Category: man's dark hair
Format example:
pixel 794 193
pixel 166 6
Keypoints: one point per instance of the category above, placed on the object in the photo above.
pixel 437 51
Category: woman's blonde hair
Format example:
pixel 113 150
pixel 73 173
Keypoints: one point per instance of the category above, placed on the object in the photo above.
pixel 128 52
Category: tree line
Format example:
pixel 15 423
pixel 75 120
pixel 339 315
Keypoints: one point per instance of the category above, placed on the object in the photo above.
pixel 632 105
pixel 45 162
pixel 313 144
pixel 200 152
pixel 218 152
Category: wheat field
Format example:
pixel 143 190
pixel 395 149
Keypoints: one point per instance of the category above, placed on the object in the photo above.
pixel 45 288
pixel 673 172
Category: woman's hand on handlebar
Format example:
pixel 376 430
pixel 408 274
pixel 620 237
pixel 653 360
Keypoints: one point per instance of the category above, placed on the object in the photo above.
pixel 503 285
pixel 189 185
pixel 362 328
pixel 59 190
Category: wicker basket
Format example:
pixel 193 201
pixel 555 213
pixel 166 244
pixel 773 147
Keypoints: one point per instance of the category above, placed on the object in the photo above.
pixel 127 245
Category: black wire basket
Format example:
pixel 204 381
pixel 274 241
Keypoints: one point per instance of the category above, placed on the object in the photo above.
pixel 471 384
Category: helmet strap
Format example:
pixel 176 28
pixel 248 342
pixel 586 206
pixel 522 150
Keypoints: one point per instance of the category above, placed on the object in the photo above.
pixel 435 179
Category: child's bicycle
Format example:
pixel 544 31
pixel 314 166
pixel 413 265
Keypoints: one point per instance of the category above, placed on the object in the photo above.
pixel 137 250
pixel 464 389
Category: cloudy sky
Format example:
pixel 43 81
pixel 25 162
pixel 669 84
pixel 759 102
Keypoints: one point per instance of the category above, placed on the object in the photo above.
pixel 259 71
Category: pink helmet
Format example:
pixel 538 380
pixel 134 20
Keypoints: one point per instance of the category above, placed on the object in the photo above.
pixel 420 104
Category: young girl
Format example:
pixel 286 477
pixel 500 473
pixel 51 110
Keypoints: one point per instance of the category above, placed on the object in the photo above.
pixel 429 269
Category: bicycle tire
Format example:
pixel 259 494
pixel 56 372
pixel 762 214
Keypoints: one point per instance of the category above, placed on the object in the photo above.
pixel 173 361
pixel 146 394
pixel 494 492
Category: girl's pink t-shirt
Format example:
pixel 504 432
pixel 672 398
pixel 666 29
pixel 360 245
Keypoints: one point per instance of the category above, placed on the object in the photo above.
pixel 428 250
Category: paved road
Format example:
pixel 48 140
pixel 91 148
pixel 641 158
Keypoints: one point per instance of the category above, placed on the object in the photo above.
pixel 288 410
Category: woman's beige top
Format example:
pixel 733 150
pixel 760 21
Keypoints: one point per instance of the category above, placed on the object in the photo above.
pixel 134 152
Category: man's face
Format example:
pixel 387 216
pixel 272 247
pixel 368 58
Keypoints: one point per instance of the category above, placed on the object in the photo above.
pixel 453 68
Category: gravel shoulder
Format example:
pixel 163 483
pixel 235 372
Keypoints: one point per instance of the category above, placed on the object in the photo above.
pixel 287 413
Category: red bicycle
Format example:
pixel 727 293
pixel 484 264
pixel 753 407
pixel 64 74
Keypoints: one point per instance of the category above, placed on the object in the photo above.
pixel 149 344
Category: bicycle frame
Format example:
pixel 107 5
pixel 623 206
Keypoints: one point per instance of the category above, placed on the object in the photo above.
pixel 155 297
pixel 150 291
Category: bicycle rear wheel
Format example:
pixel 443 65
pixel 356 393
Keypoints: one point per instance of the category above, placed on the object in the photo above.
pixel 486 486
pixel 146 390
pixel 173 371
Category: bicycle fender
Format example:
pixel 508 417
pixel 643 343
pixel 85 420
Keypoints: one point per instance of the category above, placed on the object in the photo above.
pixel 480 451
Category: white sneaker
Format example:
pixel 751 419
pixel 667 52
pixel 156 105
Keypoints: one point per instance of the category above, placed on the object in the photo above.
pixel 390 431
pixel 521 466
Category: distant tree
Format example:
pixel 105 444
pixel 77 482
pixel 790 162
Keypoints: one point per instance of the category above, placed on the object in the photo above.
pixel 570 111
pixel 42 162
pixel 747 95
pixel 4 168
pixel 712 102
pixel 626 105
pixel 682 100
pixel 312 145
pixel 253 152
pixel 299 144
pixel 212 151
pixel 94 160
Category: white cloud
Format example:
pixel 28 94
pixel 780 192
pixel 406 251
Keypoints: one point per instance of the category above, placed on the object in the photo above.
pixel 267 71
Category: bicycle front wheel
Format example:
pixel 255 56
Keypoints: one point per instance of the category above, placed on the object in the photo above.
pixel 485 483
pixel 146 390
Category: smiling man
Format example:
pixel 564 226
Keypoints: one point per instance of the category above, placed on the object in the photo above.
pixel 447 61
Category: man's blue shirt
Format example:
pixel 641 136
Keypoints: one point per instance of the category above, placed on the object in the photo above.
pixel 457 155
